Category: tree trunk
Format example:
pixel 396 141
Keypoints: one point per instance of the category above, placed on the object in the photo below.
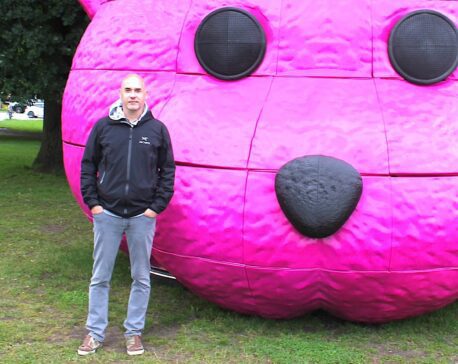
pixel 50 156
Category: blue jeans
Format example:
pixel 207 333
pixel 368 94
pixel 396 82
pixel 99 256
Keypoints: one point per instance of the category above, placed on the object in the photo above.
pixel 108 232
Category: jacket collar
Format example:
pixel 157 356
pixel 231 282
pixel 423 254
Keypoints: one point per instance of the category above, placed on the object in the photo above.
pixel 116 113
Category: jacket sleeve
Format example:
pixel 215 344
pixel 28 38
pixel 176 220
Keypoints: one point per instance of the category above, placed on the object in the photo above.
pixel 89 168
pixel 166 174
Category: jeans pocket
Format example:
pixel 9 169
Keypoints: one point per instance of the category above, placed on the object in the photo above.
pixel 94 216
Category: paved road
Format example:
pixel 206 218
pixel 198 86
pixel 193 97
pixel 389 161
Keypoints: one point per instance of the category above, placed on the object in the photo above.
pixel 4 115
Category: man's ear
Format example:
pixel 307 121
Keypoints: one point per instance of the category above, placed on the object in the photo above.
pixel 91 6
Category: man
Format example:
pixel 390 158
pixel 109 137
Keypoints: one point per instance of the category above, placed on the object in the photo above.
pixel 10 111
pixel 127 177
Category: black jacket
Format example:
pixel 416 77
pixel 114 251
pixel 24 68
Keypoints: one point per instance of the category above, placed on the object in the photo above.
pixel 128 169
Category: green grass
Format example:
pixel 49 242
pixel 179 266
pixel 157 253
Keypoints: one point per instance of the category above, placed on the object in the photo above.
pixel 45 265
pixel 31 125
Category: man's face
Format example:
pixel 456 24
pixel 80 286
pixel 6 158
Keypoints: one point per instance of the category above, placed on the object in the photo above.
pixel 133 94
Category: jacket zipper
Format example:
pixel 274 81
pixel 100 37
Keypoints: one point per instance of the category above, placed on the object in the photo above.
pixel 129 155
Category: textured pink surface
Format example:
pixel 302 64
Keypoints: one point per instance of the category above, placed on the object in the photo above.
pixel 213 125
pixel 325 87
pixel 149 43
pixel 223 283
pixel 282 293
pixel 358 296
pixel 326 38
pixel 319 120
pixel 361 244
pixel 421 126
pixel 425 223
pixel 208 221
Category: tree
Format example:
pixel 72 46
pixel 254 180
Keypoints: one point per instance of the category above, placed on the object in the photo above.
pixel 37 43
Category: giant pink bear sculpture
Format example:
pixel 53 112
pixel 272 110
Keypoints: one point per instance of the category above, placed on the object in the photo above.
pixel 325 87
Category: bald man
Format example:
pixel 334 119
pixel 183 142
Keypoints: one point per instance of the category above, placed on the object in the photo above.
pixel 127 177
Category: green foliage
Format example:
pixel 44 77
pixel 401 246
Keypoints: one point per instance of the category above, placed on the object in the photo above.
pixel 38 40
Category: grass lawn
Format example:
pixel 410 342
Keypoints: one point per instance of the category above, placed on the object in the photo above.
pixel 31 125
pixel 45 266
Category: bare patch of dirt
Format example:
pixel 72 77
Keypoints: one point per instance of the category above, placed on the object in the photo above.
pixel 53 228
pixel 310 329
pixel 45 275
pixel 385 351
pixel 168 332
pixel 7 318
pixel 77 332
pixel 114 340
pixel 167 357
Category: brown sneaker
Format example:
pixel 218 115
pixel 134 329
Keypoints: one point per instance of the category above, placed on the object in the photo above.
pixel 89 346
pixel 134 345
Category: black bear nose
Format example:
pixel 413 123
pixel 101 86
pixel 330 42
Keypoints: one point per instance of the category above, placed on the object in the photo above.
pixel 318 193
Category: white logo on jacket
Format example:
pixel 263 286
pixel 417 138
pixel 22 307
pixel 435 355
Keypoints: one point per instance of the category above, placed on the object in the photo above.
pixel 144 140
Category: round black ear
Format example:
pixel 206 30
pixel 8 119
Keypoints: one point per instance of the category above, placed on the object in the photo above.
pixel 423 47
pixel 230 43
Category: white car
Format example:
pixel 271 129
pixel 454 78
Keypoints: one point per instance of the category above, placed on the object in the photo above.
pixel 36 110
pixel 18 107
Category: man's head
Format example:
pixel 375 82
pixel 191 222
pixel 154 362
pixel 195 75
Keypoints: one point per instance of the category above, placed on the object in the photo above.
pixel 133 95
